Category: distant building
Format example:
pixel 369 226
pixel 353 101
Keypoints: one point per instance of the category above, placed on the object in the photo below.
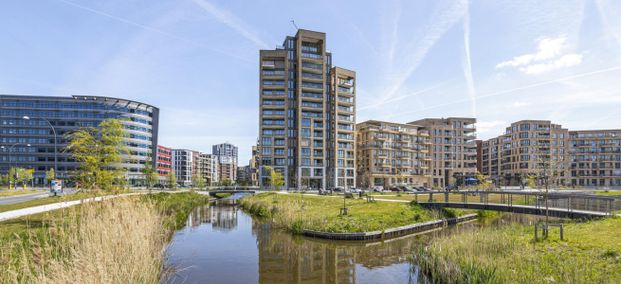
pixel 595 158
pixel 553 155
pixel 210 169
pixel 184 165
pixel 453 150
pixel 227 157
pixel 163 162
pixel 25 132
pixel 244 175
pixel 391 154
pixel 254 166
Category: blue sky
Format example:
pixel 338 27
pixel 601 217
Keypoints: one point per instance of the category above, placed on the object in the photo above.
pixel 499 61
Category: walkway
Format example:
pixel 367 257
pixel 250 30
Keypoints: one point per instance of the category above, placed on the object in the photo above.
pixel 7 215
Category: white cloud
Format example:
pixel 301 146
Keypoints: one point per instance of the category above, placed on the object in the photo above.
pixel 567 60
pixel 549 56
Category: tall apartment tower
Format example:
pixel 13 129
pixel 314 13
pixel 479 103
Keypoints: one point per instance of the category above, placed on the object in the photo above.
pixel 307 114
pixel 453 150
pixel 227 157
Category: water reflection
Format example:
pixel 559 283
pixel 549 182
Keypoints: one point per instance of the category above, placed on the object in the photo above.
pixel 222 244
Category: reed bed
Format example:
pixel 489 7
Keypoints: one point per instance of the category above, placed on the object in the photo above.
pixel 117 241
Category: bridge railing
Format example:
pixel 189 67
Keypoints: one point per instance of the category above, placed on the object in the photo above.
pixel 569 202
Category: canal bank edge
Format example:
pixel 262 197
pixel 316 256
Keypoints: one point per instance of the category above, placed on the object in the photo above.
pixel 391 232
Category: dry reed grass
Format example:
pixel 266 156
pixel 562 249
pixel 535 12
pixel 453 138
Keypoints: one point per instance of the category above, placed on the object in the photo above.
pixel 118 241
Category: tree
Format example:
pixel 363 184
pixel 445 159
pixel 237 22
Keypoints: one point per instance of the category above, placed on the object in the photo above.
pixel 276 178
pixel 24 176
pixel 99 151
pixel 171 180
pixel 198 181
pixel 485 183
pixel 226 182
pixel 150 175
pixel 49 176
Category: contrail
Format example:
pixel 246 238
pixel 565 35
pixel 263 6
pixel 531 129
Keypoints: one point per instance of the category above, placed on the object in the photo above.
pixel 151 29
pixel 499 93
pixel 468 62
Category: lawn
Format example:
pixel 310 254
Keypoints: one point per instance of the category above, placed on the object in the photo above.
pixel 14 192
pixel 609 193
pixel 55 199
pixel 590 253
pixel 297 212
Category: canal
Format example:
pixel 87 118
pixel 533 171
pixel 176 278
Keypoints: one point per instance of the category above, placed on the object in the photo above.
pixel 222 244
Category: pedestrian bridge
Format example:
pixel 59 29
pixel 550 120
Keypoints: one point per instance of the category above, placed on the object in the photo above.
pixel 557 204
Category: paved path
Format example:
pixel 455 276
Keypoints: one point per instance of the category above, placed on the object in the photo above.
pixel 22 198
pixel 59 205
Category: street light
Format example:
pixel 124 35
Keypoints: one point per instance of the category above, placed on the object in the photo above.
pixel 25 117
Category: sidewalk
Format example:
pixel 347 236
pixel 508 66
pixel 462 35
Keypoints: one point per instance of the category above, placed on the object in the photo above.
pixel 59 205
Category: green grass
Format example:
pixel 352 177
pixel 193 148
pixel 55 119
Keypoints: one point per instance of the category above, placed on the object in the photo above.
pixel 223 195
pixel 590 253
pixel 54 199
pixel 609 193
pixel 176 206
pixel 297 212
pixel 15 192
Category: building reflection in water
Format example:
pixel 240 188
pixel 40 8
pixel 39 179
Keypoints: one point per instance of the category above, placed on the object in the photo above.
pixel 222 217
pixel 287 259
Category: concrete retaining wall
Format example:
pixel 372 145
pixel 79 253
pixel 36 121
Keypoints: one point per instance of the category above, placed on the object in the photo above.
pixel 392 232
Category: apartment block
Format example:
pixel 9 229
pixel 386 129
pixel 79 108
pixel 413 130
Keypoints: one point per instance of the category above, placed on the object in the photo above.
pixel 392 153
pixel 227 158
pixel 254 166
pixel 303 101
pixel 536 148
pixel 595 158
pixel 184 165
pixel 209 168
pixel 341 135
pixel 453 149
pixel 163 161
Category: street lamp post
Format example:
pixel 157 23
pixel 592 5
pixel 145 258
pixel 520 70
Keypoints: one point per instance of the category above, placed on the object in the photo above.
pixel 55 143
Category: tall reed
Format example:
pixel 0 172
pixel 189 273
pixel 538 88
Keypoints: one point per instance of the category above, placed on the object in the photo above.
pixel 118 241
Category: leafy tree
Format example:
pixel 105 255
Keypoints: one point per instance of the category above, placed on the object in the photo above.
pixel 24 176
pixel 99 151
pixel 150 175
pixel 276 178
pixel 50 175
pixel 198 181
pixel 226 182
pixel 171 180
pixel 485 183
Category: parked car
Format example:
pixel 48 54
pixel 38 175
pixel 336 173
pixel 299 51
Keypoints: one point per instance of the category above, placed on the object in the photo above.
pixel 337 189
pixel 378 188
pixel 422 188
pixel 357 190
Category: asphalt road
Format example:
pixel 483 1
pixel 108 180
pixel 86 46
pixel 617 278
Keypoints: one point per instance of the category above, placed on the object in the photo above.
pixel 22 198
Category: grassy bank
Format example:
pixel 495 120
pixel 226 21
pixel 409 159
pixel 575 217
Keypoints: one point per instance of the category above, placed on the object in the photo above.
pixel 590 253
pixel 296 212
pixel 15 192
pixel 117 241
pixel 55 199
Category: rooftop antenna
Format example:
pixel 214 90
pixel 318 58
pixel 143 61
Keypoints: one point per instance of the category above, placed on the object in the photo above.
pixel 293 23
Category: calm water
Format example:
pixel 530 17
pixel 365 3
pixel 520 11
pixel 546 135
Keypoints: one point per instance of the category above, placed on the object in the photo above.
pixel 222 244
